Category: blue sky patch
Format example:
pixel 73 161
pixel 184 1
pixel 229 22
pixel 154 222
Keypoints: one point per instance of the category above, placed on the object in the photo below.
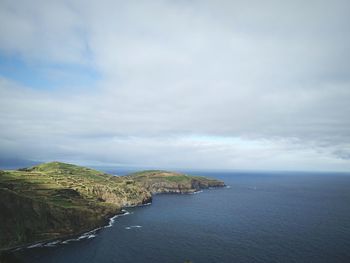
pixel 47 75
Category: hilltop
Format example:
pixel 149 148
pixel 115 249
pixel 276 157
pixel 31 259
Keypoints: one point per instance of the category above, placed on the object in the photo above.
pixel 55 200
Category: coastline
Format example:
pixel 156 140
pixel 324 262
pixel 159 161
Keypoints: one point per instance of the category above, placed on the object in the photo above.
pixel 91 233
pixel 64 238
pixel 81 193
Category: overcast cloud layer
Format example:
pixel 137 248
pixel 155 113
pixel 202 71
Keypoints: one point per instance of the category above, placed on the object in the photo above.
pixel 177 84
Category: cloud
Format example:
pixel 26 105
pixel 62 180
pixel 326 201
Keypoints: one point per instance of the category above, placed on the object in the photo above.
pixel 261 85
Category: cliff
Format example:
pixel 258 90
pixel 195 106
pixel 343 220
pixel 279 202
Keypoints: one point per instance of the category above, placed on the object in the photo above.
pixel 55 200
pixel 157 181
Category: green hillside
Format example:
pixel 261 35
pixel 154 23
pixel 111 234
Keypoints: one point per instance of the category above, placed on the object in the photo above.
pixel 54 200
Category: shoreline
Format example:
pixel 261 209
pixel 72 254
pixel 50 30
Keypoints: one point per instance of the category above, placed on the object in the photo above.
pixel 67 238
pixel 78 236
pixel 92 232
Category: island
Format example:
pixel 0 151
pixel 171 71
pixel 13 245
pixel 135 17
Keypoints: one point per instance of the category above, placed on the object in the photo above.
pixel 58 200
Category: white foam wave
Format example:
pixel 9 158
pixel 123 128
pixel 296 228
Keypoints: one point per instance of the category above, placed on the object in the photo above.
pixel 130 227
pixel 112 219
pixel 36 245
pixel 52 244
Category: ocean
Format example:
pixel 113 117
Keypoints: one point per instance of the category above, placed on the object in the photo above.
pixel 259 217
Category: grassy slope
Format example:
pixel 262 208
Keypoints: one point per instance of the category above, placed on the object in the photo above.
pixel 56 199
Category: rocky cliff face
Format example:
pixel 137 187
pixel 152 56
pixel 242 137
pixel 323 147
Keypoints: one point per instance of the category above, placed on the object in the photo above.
pixel 55 200
pixel 170 182
pixel 205 183
pixel 25 220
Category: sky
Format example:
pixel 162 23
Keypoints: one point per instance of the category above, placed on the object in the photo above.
pixel 247 85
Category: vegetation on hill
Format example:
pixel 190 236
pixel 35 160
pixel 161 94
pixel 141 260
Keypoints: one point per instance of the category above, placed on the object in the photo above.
pixel 54 200
pixel 157 181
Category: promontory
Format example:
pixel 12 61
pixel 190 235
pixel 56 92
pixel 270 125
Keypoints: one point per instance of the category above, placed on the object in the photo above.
pixel 57 200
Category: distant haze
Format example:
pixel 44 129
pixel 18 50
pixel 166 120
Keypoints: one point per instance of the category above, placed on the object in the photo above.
pixel 177 84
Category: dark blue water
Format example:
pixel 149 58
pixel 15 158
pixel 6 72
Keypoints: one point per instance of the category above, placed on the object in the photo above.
pixel 278 217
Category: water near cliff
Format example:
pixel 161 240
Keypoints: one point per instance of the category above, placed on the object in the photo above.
pixel 262 217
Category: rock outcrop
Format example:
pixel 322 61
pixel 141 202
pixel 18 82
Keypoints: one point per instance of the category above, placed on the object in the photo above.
pixel 157 181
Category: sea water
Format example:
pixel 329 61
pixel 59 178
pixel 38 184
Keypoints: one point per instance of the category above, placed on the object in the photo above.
pixel 259 217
